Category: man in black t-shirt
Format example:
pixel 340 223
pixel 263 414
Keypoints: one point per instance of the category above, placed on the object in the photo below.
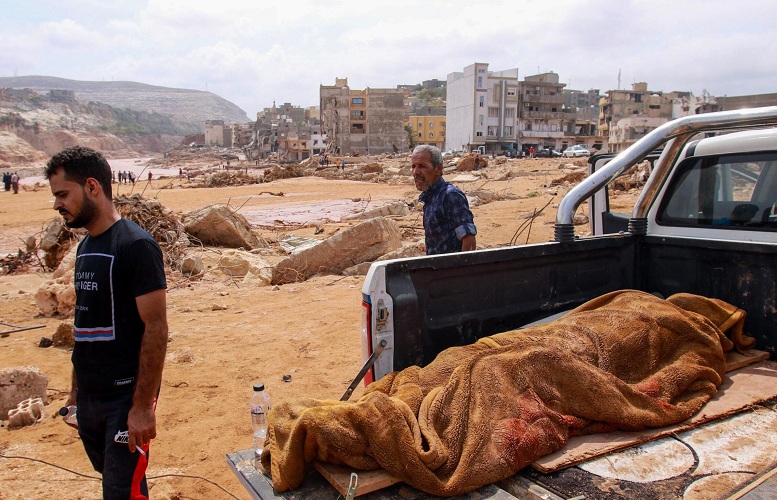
pixel 120 323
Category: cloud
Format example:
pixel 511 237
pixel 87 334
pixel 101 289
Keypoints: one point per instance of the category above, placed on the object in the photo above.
pixel 253 53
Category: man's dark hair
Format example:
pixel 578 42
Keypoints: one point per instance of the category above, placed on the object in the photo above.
pixel 79 163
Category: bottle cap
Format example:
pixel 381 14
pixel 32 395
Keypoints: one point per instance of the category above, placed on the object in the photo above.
pixel 63 411
pixel 258 387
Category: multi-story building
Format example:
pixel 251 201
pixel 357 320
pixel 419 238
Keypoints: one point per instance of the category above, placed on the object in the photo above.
pixel 617 104
pixel 428 129
pixel 218 134
pixel 581 116
pixel 368 121
pixel 540 111
pixel 482 109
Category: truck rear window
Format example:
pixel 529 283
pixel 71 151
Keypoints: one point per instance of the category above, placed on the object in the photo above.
pixel 732 191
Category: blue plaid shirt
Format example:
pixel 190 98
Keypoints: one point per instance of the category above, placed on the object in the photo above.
pixel 447 218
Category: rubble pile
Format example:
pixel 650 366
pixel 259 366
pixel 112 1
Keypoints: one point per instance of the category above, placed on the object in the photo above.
pixel 286 172
pixel 633 178
pixel 230 178
pixel 18 263
pixel 159 222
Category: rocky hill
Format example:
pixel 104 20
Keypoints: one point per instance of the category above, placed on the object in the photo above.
pixel 188 108
pixel 41 115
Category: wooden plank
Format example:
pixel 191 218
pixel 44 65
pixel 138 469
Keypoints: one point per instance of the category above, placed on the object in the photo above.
pixel 369 480
pixel 736 360
pixel 740 389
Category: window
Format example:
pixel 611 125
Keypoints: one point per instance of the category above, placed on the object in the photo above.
pixel 508 131
pixel 511 91
pixel 357 128
pixel 509 112
pixel 480 82
pixel 492 130
pixel 420 134
pixel 478 134
pixel 431 134
pixel 480 119
pixel 733 191
pixel 357 100
pixel 493 112
pixel 431 124
pixel 357 113
pixel 420 124
pixel 482 101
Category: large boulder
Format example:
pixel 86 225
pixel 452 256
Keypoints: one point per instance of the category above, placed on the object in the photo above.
pixel 219 225
pixel 18 384
pixel 361 243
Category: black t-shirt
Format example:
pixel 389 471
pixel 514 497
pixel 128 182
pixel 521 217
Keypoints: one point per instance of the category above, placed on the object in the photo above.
pixel 112 269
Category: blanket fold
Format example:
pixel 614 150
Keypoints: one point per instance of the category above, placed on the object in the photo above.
pixel 479 413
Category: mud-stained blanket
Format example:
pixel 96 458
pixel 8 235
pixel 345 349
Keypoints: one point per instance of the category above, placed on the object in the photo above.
pixel 478 413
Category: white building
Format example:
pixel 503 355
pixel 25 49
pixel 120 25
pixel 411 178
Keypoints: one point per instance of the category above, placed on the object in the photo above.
pixel 482 109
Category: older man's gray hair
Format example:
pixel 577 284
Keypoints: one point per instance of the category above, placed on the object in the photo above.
pixel 432 150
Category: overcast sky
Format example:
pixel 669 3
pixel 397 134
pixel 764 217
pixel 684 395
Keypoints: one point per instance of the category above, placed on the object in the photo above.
pixel 254 52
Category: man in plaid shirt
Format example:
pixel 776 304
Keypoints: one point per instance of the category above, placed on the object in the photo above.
pixel 448 222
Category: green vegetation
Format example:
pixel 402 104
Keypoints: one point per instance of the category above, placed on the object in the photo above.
pixel 411 135
pixel 433 97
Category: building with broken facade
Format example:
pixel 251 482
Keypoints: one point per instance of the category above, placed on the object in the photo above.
pixel 368 121
pixel 495 111
pixel 218 134
pixel 427 129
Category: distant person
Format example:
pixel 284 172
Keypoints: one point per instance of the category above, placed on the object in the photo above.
pixel 180 173
pixel 449 225
pixel 15 182
pixel 342 165
pixel 120 323
pixel 531 152
pixel 7 181
pixel 149 176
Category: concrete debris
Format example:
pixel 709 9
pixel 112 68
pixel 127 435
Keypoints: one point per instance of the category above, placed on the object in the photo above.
pixel 26 413
pixel 21 383
pixel 295 244
pixel 361 243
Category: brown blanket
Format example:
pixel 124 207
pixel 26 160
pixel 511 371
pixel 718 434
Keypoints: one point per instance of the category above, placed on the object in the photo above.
pixel 478 413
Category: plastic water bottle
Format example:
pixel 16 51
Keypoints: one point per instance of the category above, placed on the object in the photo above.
pixel 260 405
pixel 68 414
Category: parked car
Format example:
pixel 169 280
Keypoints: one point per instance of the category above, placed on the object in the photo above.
pixel 575 151
pixel 547 153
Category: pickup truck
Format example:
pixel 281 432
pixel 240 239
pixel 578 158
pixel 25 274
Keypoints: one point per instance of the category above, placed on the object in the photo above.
pixel 705 223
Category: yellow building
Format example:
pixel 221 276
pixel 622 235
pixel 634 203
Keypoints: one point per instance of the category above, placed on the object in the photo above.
pixel 428 130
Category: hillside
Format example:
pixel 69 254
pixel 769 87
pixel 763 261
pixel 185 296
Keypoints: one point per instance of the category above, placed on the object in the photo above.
pixel 34 126
pixel 188 108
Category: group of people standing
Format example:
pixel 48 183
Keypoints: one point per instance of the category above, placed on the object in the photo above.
pixel 126 177
pixel 11 181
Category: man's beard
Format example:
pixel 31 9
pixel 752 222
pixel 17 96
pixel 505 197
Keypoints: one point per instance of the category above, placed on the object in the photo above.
pixel 86 214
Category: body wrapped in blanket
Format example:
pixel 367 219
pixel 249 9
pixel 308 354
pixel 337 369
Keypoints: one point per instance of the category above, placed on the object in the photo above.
pixel 479 413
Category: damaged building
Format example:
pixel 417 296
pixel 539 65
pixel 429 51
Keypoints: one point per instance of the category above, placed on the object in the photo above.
pixel 368 121
pixel 496 112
